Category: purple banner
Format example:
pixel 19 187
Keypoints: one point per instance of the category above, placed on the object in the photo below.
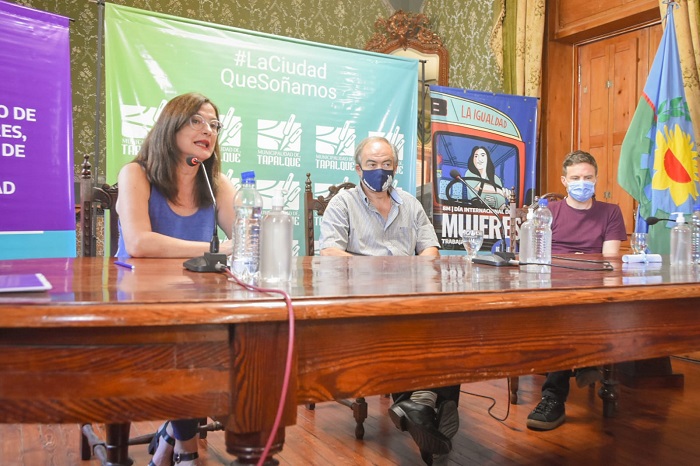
pixel 36 136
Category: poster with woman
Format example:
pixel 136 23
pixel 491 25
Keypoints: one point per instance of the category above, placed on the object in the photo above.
pixel 485 146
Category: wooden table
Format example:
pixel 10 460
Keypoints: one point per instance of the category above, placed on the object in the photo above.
pixel 113 345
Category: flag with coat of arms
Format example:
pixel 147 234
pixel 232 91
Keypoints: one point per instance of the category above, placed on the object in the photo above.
pixel 658 163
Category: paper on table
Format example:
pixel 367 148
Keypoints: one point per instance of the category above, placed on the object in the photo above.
pixel 632 258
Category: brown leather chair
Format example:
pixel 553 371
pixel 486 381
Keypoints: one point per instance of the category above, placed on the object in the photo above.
pixel 316 206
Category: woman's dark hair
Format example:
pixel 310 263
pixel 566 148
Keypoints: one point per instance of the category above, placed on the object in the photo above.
pixel 159 155
pixel 490 168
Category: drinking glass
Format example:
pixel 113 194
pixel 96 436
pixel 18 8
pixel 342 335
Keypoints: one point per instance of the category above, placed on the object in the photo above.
pixel 638 242
pixel 472 240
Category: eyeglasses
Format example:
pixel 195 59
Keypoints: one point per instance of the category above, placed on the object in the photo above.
pixel 198 123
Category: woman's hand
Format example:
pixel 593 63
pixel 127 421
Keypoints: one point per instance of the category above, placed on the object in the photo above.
pixel 226 247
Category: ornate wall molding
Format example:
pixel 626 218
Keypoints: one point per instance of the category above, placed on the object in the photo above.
pixel 410 31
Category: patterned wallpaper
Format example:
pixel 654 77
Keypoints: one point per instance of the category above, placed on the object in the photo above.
pixel 465 27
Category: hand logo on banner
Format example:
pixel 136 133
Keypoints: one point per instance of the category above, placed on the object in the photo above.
pixel 395 137
pixel 397 140
pixel 290 189
pixel 335 141
pixel 277 135
pixel 138 120
pixel 290 137
pixel 230 135
pixel 346 138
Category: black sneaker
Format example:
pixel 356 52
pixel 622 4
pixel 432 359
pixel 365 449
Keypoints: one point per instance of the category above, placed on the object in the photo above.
pixel 547 415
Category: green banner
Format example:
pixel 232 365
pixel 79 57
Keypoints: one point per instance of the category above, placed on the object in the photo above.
pixel 289 107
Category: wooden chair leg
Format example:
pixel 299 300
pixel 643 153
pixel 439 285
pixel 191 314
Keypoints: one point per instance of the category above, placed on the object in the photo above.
pixel 608 391
pixel 213 426
pixel 359 412
pixel 114 451
pixel 202 428
pixel 514 383
pixel 202 421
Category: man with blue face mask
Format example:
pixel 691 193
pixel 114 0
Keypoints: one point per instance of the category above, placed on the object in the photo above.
pixel 580 224
pixel 374 219
pixel 384 221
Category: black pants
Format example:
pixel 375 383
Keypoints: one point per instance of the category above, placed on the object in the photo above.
pixel 557 385
pixel 184 429
pixel 443 394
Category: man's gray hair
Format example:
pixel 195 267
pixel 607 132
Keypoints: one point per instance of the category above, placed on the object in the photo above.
pixel 361 146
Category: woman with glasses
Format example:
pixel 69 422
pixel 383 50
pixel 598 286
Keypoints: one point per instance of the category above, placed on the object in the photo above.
pixel 165 206
pixel 166 209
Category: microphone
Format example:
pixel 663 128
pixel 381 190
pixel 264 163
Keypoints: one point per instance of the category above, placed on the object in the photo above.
pixel 214 243
pixel 654 220
pixel 503 257
pixel 209 261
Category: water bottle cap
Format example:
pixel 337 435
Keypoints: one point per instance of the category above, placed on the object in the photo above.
pixel 248 176
pixel 278 198
pixel 530 213
pixel 544 202
pixel 679 217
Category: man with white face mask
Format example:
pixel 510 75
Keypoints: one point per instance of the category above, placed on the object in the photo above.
pixel 580 224
pixel 374 219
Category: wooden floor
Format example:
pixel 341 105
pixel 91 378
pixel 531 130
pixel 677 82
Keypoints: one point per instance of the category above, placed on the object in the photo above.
pixel 653 427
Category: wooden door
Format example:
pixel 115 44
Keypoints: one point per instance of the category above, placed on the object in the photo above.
pixel 612 73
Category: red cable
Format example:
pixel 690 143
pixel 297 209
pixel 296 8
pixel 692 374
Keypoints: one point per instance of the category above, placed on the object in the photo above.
pixel 288 364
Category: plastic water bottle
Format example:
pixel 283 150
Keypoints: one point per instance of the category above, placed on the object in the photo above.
pixel 276 243
pixel 680 241
pixel 527 236
pixel 542 242
pixel 245 259
pixel 695 234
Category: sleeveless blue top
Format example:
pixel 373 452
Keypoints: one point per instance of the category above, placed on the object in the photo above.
pixel 196 227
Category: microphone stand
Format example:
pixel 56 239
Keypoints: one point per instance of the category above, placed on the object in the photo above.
pixel 502 253
pixel 209 261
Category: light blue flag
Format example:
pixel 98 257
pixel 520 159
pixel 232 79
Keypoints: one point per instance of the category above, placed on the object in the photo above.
pixel 659 157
